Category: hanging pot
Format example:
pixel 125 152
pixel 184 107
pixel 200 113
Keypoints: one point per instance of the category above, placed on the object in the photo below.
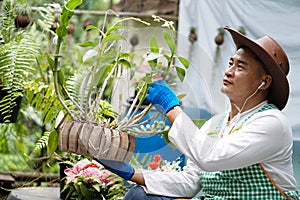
pixel 97 141
pixel 10 114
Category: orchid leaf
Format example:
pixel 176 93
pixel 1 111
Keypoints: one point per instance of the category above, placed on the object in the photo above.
pixel 184 61
pixel 87 44
pixel 170 42
pixel 113 37
pixel 180 73
pixel 154 45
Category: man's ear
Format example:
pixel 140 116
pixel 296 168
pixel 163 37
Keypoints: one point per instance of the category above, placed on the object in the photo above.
pixel 268 80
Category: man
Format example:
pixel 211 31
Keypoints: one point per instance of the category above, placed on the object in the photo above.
pixel 245 153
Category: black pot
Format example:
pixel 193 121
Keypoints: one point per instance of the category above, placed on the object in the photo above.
pixel 12 115
pixel 62 183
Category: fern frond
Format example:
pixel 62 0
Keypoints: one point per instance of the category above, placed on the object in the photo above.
pixel 1 39
pixel 78 86
pixel 16 60
pixel 47 16
pixel 42 142
pixel 6 19
pixel 45 100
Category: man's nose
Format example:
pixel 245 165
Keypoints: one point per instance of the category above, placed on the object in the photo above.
pixel 229 71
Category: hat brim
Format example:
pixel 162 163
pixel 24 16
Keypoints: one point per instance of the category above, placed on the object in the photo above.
pixel 279 91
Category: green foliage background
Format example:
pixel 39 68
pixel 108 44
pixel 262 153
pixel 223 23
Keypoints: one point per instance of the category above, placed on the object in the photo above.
pixel 19 141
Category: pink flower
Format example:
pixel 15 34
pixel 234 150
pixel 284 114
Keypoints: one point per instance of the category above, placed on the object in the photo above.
pixel 82 164
pixel 103 177
pixel 91 171
pixel 88 170
pixel 71 174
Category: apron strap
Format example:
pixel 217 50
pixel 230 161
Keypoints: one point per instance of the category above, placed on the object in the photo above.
pixel 272 181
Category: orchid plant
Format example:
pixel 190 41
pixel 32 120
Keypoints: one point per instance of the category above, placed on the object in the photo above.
pixel 90 180
pixel 86 94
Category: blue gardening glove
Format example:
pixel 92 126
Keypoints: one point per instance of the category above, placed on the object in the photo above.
pixel 122 169
pixel 162 96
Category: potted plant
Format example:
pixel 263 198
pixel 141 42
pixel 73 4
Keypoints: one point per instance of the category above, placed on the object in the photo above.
pixel 17 54
pixel 89 125
pixel 90 180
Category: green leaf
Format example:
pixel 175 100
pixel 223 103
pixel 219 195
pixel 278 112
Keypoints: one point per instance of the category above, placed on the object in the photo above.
pixel 199 122
pixel 152 63
pixel 184 61
pixel 102 74
pixel 53 112
pixel 180 73
pixel 170 42
pixel 96 187
pixel 51 62
pixel 113 37
pixel 142 88
pixel 124 55
pixel 38 100
pixel 87 44
pixel 62 31
pixel 181 96
pixel 66 15
pixel 90 27
pixel 125 62
pixel 83 189
pixel 52 142
pixel 60 77
pixel 72 4
pixel 45 111
pixel 148 79
pixel 154 45
pixel 169 58
pixel 143 160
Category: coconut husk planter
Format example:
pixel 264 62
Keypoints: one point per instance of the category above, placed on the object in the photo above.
pixel 96 140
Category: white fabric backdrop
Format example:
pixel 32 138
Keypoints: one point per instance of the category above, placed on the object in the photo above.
pixel 280 19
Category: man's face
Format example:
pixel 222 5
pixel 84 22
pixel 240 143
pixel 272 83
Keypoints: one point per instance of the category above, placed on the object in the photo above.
pixel 243 76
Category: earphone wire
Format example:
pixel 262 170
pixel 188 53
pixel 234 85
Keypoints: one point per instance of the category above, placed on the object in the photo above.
pixel 240 110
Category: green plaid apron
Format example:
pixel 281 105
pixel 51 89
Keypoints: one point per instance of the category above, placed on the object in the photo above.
pixel 245 183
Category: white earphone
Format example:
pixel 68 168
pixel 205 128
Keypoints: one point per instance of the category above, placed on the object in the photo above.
pixel 262 84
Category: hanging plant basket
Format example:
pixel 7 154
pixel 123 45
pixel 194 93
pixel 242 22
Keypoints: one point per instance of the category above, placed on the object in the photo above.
pixel 96 141
pixel 10 113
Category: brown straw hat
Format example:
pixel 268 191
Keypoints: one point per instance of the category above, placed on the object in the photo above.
pixel 275 61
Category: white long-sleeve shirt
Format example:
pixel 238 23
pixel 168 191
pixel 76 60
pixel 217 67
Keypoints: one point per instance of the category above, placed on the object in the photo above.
pixel 265 138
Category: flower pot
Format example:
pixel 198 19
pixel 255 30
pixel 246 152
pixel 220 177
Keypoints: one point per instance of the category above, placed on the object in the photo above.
pixel 97 141
pixel 10 114
pixel 62 183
